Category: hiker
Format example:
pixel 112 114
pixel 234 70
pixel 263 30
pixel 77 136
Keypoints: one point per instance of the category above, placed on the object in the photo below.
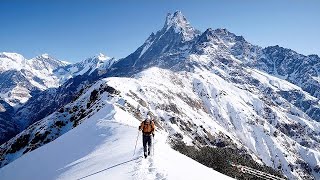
pixel 147 128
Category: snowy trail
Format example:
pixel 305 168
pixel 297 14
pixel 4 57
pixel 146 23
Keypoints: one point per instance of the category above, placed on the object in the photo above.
pixel 146 168
pixel 102 147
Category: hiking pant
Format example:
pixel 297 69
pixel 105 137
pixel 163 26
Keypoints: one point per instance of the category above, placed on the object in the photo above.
pixel 146 139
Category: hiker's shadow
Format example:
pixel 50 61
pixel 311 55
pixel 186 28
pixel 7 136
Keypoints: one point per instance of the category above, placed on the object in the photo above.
pixel 97 172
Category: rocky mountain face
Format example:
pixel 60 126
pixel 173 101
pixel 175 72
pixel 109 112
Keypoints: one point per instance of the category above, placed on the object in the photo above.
pixel 8 128
pixel 206 89
pixel 298 69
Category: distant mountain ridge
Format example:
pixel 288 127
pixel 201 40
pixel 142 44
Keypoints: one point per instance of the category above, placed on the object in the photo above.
pixel 22 79
pixel 21 76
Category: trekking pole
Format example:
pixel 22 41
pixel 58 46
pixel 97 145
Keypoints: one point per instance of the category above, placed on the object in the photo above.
pixel 136 144
pixel 153 145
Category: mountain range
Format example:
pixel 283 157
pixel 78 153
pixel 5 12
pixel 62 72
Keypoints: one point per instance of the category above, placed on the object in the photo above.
pixel 210 88
pixel 22 79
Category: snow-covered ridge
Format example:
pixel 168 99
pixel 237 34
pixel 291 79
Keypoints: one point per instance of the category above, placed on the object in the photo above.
pixel 43 61
pixel 105 149
pixel 99 62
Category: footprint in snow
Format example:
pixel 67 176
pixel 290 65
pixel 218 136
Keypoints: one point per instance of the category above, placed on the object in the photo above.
pixel 150 160
pixel 151 170
pixel 160 176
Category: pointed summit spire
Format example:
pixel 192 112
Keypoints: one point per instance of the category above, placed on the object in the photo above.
pixel 45 56
pixel 176 19
pixel 180 24
pixel 102 57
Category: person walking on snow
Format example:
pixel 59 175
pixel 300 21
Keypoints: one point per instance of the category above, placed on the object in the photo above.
pixel 147 128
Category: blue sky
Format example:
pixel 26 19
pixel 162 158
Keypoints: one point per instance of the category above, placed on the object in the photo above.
pixel 74 30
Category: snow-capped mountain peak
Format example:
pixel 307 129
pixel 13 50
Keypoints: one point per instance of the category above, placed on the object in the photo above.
pixel 9 61
pixel 96 60
pixel 180 24
pixel 228 37
pixel 103 57
pixel 221 41
pixel 12 56
pixel 45 61
pixel 45 56
pixel 87 66
pixel 176 19
pixel 208 35
pixel 177 33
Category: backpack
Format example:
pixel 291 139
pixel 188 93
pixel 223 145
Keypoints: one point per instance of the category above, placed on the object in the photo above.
pixel 147 126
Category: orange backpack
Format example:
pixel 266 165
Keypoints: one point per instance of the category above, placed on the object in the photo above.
pixel 147 126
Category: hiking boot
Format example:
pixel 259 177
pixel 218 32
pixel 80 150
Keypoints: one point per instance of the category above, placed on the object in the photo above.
pixel 149 153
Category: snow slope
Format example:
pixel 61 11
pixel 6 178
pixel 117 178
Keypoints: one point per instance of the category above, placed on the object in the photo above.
pixel 99 148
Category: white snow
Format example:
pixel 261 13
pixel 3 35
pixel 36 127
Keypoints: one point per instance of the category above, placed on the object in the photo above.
pixel 317 78
pixel 45 56
pixel 146 47
pixel 2 109
pixel 103 57
pixel 19 93
pixel 277 83
pixel 10 61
